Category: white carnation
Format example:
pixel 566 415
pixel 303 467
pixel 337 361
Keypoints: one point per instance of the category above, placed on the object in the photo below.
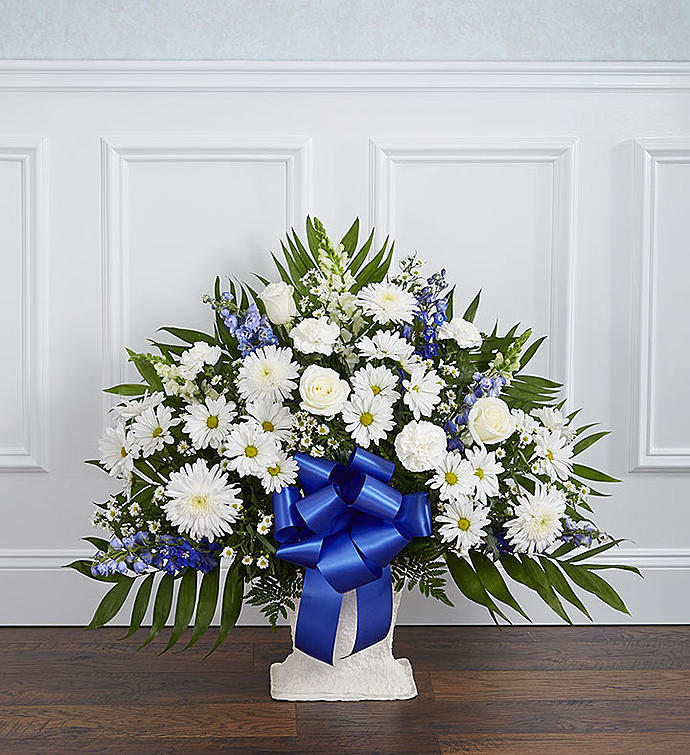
pixel 315 335
pixel 420 446
pixel 464 333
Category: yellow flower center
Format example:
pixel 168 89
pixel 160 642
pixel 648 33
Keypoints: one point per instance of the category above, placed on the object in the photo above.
pixel 158 431
pixel 376 389
pixel 212 422
pixel 479 473
pixel 451 478
pixel 123 453
pixel 274 471
pixel 366 419
pixel 549 455
pixel 268 426
pixel 251 451
pixel 463 524
pixel 200 501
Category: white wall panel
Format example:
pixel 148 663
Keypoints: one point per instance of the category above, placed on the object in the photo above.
pixel 517 178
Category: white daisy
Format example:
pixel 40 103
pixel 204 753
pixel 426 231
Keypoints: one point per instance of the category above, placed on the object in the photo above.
pixel 537 523
pixel 247 560
pixel 278 473
pixel 386 302
pixel 368 419
pixel 385 344
pixel 486 470
pixel 268 372
pixel 555 421
pixel 201 501
pixel 151 429
pixel 464 523
pixel 207 424
pixel 379 381
pixel 131 408
pixel 193 360
pixel 272 416
pixel 453 478
pixel 229 552
pixel 525 424
pixel 117 453
pixel 422 391
pixel 555 454
pixel 262 562
pixel 249 449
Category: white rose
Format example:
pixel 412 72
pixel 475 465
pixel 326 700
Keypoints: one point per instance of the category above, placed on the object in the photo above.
pixel 279 302
pixel 315 335
pixel 322 390
pixel 490 420
pixel 463 332
pixel 420 446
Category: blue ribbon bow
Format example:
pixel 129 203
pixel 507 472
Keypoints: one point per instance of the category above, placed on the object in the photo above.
pixel 346 529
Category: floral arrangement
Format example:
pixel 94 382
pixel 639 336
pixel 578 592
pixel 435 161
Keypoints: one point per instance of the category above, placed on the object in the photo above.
pixel 217 450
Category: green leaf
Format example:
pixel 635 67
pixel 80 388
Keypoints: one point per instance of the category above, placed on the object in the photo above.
pixel 186 598
pixel 594 551
pixel 470 585
pixel 111 603
pixel 493 582
pixel 206 605
pixel 593 583
pixel 141 603
pixel 98 542
pixel 471 311
pixel 361 255
pixel 127 389
pixel 563 550
pixel 528 573
pixel 83 566
pixel 561 586
pixel 312 238
pixel 146 370
pixel 233 593
pixel 349 240
pixel 590 440
pixel 526 357
pixel 587 473
pixel 161 608
pixel 623 567
pixel 191 336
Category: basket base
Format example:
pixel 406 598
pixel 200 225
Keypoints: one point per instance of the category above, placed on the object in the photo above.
pixel 300 677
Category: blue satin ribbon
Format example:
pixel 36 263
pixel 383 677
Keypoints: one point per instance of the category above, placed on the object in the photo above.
pixel 345 530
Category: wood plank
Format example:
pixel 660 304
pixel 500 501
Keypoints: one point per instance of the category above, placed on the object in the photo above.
pixel 660 684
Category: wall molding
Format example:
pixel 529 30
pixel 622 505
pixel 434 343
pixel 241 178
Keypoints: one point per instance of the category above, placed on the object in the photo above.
pixel 118 153
pixel 644 456
pixel 561 153
pixel 21 75
pixel 51 559
pixel 30 152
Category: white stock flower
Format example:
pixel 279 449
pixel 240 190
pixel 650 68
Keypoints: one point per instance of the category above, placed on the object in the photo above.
pixel 486 470
pixel 268 372
pixel 464 333
pixel 453 477
pixel 201 502
pixel 464 523
pixel 554 420
pixel 117 454
pixel 422 391
pixel 278 299
pixel 278 473
pixel 272 416
pixel 249 449
pixel 537 523
pixel 420 446
pixel 323 391
pixel 193 360
pixel 376 381
pixel 315 335
pixel 555 454
pixel 386 302
pixel 385 344
pixel 368 419
pixel 151 429
pixel 490 420
pixel 130 408
pixel 207 424
pixel 524 423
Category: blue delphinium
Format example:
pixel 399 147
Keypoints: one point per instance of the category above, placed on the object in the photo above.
pixel 580 533
pixel 251 329
pixel 429 315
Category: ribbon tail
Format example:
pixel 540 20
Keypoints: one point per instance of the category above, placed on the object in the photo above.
pixel 374 611
pixel 317 620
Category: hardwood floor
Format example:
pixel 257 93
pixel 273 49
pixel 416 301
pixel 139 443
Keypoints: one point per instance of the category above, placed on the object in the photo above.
pixel 481 689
